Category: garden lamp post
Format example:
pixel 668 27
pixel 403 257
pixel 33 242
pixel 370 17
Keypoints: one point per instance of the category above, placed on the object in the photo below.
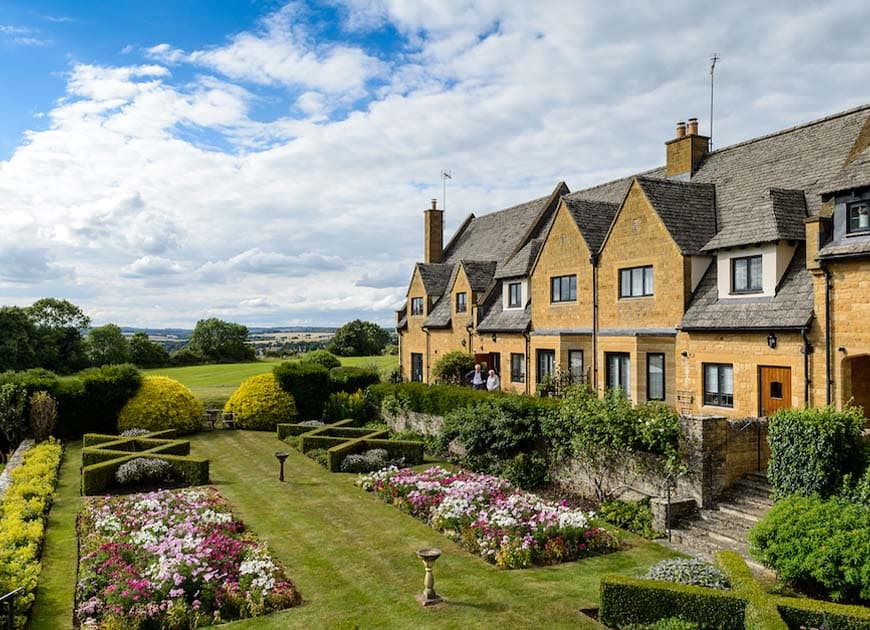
pixel 429 597
pixel 281 455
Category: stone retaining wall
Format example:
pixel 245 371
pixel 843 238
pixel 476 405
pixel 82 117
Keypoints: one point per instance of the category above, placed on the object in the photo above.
pixel 13 463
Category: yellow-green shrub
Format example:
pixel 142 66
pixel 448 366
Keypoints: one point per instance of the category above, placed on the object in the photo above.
pixel 162 403
pixel 260 403
pixel 21 523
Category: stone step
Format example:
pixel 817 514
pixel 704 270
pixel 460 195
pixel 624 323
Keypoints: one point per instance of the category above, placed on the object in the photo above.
pixel 758 475
pixel 741 511
pixel 754 488
pixel 719 532
pixel 738 523
pixel 754 505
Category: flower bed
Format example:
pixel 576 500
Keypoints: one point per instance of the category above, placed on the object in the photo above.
pixel 488 516
pixel 173 559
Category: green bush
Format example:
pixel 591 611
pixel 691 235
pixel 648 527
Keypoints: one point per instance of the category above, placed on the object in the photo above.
pixel 857 491
pixel 688 571
pixel 812 449
pixel 440 400
pixel 669 623
pixel 91 401
pixel 351 379
pixel 321 357
pixel 22 528
pixel 451 367
pixel 260 403
pixel 309 385
pixel 526 470
pixel 633 516
pixel 626 600
pixel 810 613
pixel 342 405
pixel 162 403
pixel 817 544
pixel 761 609
pixel 142 469
pixel 13 423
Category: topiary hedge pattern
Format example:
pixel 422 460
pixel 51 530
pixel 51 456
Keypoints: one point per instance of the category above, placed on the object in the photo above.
pixel 812 449
pixel 260 403
pixel 799 614
pixel 162 403
pixel 22 526
pixel 761 611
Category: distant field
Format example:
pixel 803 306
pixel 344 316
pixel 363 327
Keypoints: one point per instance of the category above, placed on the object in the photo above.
pixel 213 384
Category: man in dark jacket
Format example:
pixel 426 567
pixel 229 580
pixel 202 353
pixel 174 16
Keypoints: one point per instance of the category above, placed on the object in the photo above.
pixel 475 378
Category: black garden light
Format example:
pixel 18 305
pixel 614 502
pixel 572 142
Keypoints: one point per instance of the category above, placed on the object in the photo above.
pixel 281 455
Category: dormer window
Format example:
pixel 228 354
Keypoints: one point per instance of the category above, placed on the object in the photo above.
pixel 515 294
pixel 858 217
pixel 746 274
pixel 461 303
pixel 417 306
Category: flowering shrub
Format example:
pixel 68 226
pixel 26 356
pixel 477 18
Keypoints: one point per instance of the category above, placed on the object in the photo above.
pixel 134 432
pixel 490 517
pixel 689 571
pixel 172 559
pixel 372 459
pixel 142 469
pixel 162 403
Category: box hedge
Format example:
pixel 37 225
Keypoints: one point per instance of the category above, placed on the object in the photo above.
pixel 761 609
pixel 626 600
pixel 812 613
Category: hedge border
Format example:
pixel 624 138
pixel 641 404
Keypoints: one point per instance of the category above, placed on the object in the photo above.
pixel 627 600
pixel 811 613
pixel 761 610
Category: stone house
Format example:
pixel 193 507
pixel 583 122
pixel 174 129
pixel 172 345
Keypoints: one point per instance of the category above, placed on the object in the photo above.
pixel 728 283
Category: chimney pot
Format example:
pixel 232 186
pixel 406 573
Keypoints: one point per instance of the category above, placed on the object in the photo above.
pixel 693 127
pixel 434 204
pixel 681 129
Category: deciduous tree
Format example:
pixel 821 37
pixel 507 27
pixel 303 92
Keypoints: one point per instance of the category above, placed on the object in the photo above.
pixel 107 345
pixel 220 342
pixel 359 339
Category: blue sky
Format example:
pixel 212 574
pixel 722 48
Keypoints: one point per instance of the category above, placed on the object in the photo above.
pixel 268 162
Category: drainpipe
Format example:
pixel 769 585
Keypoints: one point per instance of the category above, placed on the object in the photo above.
pixel 806 352
pixel 426 330
pixel 828 383
pixel 528 343
pixel 593 260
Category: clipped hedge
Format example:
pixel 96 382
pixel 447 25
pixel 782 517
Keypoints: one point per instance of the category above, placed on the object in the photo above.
pixel 162 403
pixel 626 600
pixel 350 379
pixel 22 526
pixel 260 403
pixel 410 451
pixel 812 449
pixel 811 613
pixel 761 611
pixel 309 385
pixel 439 400
pixel 98 478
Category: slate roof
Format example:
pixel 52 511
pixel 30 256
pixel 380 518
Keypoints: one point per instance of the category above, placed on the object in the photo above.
pixel 852 247
pixel 441 313
pixel 496 319
pixel 593 218
pixel 687 209
pixel 435 276
pixel 479 273
pixel 792 307
pixel 778 215
pixel 521 263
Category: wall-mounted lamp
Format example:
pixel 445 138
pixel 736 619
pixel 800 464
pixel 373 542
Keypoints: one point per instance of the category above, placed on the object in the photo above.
pixel 493 337
pixel 771 341
pixel 841 349
pixel 463 342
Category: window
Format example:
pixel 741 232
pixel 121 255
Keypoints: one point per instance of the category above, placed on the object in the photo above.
pixel 416 306
pixel 746 274
pixel 461 304
pixel 636 282
pixel 417 367
pixel 655 376
pixel 719 384
pixel 515 294
pixel 619 371
pixel 776 390
pixel 518 368
pixel 575 365
pixel 546 363
pixel 564 289
pixel 858 217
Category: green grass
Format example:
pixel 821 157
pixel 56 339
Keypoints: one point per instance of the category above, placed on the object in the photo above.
pixel 214 383
pixel 350 554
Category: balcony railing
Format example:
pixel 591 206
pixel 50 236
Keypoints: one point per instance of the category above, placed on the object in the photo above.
pixel 9 601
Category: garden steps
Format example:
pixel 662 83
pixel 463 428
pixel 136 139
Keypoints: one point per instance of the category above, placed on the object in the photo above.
pixel 727 525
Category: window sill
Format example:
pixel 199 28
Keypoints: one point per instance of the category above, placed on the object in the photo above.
pixel 636 297
pixel 563 303
pixel 858 233
pixel 717 406
pixel 749 292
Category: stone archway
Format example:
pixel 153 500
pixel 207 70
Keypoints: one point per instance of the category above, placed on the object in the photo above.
pixel 856 381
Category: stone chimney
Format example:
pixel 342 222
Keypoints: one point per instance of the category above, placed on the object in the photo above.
pixel 433 238
pixel 685 151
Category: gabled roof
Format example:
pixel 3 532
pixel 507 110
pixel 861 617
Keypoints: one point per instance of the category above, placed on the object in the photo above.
pixel 441 313
pixel 435 276
pixel 854 173
pixel 778 215
pixel 593 218
pixel 687 209
pixel 479 273
pixel 520 263
pixel 792 307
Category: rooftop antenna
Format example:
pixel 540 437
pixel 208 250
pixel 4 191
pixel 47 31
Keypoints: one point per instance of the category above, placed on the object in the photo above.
pixel 713 61
pixel 445 175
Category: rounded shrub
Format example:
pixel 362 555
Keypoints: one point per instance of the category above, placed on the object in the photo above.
pixel 143 470
pixel 689 571
pixel 321 357
pixel 260 403
pixel 162 403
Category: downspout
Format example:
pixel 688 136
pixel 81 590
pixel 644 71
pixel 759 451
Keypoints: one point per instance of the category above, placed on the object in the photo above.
pixel 426 330
pixel 527 364
pixel 828 382
pixel 593 260
pixel 806 353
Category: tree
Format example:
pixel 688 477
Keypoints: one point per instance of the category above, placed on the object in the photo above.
pixel 107 345
pixel 147 354
pixel 55 313
pixel 220 342
pixel 17 339
pixel 359 339
pixel 60 325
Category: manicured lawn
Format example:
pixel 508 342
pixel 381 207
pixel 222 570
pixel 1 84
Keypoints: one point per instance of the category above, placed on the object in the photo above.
pixel 213 384
pixel 350 554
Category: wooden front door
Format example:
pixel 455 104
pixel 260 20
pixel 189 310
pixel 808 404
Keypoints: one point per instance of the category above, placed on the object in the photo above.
pixel 775 389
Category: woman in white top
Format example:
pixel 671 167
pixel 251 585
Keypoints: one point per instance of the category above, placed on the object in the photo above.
pixel 492 381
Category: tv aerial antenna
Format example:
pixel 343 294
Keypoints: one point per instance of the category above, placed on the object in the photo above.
pixel 445 175
pixel 713 61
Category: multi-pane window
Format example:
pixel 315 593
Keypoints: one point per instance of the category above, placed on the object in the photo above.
pixel 515 294
pixel 858 217
pixel 636 282
pixel 575 365
pixel 719 384
pixel 655 376
pixel 746 274
pixel 546 363
pixel 564 289
pixel 461 304
pixel 518 367
pixel 417 367
pixel 618 369
pixel 417 306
